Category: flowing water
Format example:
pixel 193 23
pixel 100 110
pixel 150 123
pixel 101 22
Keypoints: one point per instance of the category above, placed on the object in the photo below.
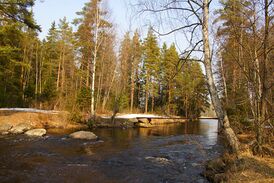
pixel 172 153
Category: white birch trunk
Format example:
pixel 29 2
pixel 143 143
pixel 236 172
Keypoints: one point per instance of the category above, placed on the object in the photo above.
pixel 221 114
pixel 93 65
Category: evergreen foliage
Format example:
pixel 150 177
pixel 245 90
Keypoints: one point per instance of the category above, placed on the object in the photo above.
pixel 55 73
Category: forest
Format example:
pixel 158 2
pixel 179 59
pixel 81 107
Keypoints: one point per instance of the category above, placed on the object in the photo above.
pixel 59 73
pixel 83 68
pixel 86 68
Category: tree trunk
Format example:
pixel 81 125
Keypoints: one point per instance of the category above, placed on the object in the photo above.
pixel 40 75
pixel 93 82
pixel 221 114
pixel 224 81
pixel 99 88
pixel 264 74
pixel 59 72
pixel 152 102
pixel 88 74
pixel 93 65
pixel 23 74
pixel 106 95
pixel 169 97
pixel 146 102
pixel 63 71
pixel 132 88
pixel 36 74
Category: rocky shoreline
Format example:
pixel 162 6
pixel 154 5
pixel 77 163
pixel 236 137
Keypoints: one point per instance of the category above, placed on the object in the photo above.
pixel 34 122
pixel 138 122
pixel 21 128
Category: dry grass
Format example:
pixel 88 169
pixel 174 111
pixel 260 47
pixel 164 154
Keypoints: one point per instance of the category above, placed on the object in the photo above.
pixel 249 168
pixel 242 168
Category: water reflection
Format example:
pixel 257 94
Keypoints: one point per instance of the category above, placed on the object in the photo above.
pixel 173 153
pixel 207 128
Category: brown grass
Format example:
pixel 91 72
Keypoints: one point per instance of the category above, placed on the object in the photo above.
pixel 242 168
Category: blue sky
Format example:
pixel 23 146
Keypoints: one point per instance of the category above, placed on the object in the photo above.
pixel 47 11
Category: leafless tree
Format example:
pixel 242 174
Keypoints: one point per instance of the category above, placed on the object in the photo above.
pixel 191 18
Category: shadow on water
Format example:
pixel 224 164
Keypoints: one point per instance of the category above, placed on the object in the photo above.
pixel 173 153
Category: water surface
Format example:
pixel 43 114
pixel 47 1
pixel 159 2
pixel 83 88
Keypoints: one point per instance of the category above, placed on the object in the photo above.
pixel 173 153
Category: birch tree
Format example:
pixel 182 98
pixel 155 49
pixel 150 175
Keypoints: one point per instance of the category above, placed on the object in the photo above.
pixel 194 20
pixel 93 25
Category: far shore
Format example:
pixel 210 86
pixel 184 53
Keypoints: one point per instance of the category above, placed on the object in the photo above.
pixel 52 119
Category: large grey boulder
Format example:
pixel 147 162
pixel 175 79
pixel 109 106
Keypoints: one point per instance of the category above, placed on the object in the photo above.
pixel 36 132
pixel 83 135
pixel 21 128
pixel 4 128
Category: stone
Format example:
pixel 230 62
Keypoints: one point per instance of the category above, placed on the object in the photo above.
pixel 21 128
pixel 143 120
pixel 4 133
pixel 36 132
pixel 216 165
pixel 4 128
pixel 159 160
pixel 195 164
pixel 143 125
pixel 86 135
pixel 133 120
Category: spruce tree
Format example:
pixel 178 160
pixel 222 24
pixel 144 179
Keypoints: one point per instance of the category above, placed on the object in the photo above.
pixel 152 67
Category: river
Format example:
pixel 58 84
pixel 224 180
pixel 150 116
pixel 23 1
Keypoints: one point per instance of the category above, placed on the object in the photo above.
pixel 167 154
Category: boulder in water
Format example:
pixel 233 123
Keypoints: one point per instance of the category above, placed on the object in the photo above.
pixel 158 160
pixel 86 135
pixel 36 132
pixel 21 128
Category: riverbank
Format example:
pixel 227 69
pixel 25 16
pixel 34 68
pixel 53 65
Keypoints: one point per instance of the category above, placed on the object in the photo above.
pixel 245 167
pixel 37 118
pixel 50 119
pixel 135 120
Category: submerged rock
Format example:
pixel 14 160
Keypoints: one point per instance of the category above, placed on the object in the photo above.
pixel 83 135
pixel 4 128
pixel 21 128
pixel 36 132
pixel 158 160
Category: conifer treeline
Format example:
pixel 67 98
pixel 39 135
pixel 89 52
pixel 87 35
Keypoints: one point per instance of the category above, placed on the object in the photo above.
pixel 56 73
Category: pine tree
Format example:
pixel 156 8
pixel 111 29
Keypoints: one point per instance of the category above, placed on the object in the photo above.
pixel 170 61
pixel 152 67
pixel 18 11
pixel 136 51
pixel 125 57
pixel 66 63
pixel 191 94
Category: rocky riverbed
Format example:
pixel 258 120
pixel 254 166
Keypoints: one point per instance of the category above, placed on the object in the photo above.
pixel 170 153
